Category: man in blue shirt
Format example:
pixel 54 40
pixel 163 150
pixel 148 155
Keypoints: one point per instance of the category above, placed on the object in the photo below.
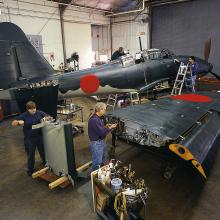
pixel 97 133
pixel 32 137
pixel 191 80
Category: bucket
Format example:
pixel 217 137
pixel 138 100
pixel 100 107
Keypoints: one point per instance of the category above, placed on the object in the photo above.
pixel 116 185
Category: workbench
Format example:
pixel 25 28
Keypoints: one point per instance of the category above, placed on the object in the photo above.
pixel 69 111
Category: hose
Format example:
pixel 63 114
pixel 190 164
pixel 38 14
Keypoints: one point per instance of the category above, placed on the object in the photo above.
pixel 120 205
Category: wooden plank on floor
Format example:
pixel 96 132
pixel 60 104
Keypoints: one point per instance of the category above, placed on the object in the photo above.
pixel 84 166
pixel 40 172
pixel 51 177
pixel 58 182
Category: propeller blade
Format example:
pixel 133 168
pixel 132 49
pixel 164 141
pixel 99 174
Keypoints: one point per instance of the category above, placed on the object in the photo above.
pixel 207 50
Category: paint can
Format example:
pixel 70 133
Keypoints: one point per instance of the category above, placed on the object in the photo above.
pixel 116 184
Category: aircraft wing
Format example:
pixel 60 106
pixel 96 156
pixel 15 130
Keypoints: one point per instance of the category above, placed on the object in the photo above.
pixel 190 122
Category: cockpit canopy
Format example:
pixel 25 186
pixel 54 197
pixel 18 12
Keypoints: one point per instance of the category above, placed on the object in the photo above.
pixel 127 60
pixel 150 54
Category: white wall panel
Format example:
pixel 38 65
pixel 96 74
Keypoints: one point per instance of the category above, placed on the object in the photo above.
pixel 42 17
pixel 78 39
pixel 126 34
pixel 39 20
pixel 101 40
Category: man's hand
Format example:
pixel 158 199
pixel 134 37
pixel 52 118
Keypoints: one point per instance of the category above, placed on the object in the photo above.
pixel 111 126
pixel 17 123
pixel 46 118
pixel 176 61
pixel 21 122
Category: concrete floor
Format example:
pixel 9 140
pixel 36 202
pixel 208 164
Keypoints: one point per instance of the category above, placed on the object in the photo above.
pixel 182 198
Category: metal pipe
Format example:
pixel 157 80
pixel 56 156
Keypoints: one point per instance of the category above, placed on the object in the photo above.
pixel 47 17
pixel 140 43
pixel 150 27
pixel 111 36
pixel 60 3
pixel 168 2
pixel 130 20
pixel 34 3
pixel 132 11
pixel 149 4
pixel 45 5
pixel 58 19
pixel 79 6
pixel 61 10
pixel 33 11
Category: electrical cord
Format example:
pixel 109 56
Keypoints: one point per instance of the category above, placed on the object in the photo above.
pixel 120 204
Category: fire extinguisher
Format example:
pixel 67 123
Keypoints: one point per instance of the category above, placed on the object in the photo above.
pixel 1 111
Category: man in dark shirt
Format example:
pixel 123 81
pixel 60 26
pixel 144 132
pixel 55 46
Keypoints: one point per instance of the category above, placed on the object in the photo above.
pixel 32 137
pixel 118 53
pixel 97 133
pixel 191 80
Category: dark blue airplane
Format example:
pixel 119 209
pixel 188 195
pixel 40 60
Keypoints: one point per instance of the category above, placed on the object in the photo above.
pixel 22 67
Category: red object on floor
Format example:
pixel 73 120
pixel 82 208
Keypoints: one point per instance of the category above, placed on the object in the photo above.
pixel 1 111
pixel 192 98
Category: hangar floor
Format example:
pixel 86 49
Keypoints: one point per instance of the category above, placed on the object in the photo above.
pixel 21 197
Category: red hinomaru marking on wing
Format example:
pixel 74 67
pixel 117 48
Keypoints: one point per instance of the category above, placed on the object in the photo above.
pixel 89 83
pixel 192 98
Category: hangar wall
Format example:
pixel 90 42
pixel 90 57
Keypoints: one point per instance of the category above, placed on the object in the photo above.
pixel 78 39
pixel 42 17
pixel 101 42
pixel 185 27
pixel 126 34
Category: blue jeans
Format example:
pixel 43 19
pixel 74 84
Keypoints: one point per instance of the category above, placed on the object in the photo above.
pixel 97 149
pixel 190 83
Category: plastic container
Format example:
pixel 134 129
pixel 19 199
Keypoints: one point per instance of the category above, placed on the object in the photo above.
pixel 116 184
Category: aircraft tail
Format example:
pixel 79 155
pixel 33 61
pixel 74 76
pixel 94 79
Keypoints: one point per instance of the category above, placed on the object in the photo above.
pixel 19 59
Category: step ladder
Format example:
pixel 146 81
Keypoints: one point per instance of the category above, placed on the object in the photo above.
pixel 134 97
pixel 180 79
pixel 112 101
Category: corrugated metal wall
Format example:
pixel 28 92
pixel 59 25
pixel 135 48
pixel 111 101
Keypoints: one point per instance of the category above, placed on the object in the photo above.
pixel 185 27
